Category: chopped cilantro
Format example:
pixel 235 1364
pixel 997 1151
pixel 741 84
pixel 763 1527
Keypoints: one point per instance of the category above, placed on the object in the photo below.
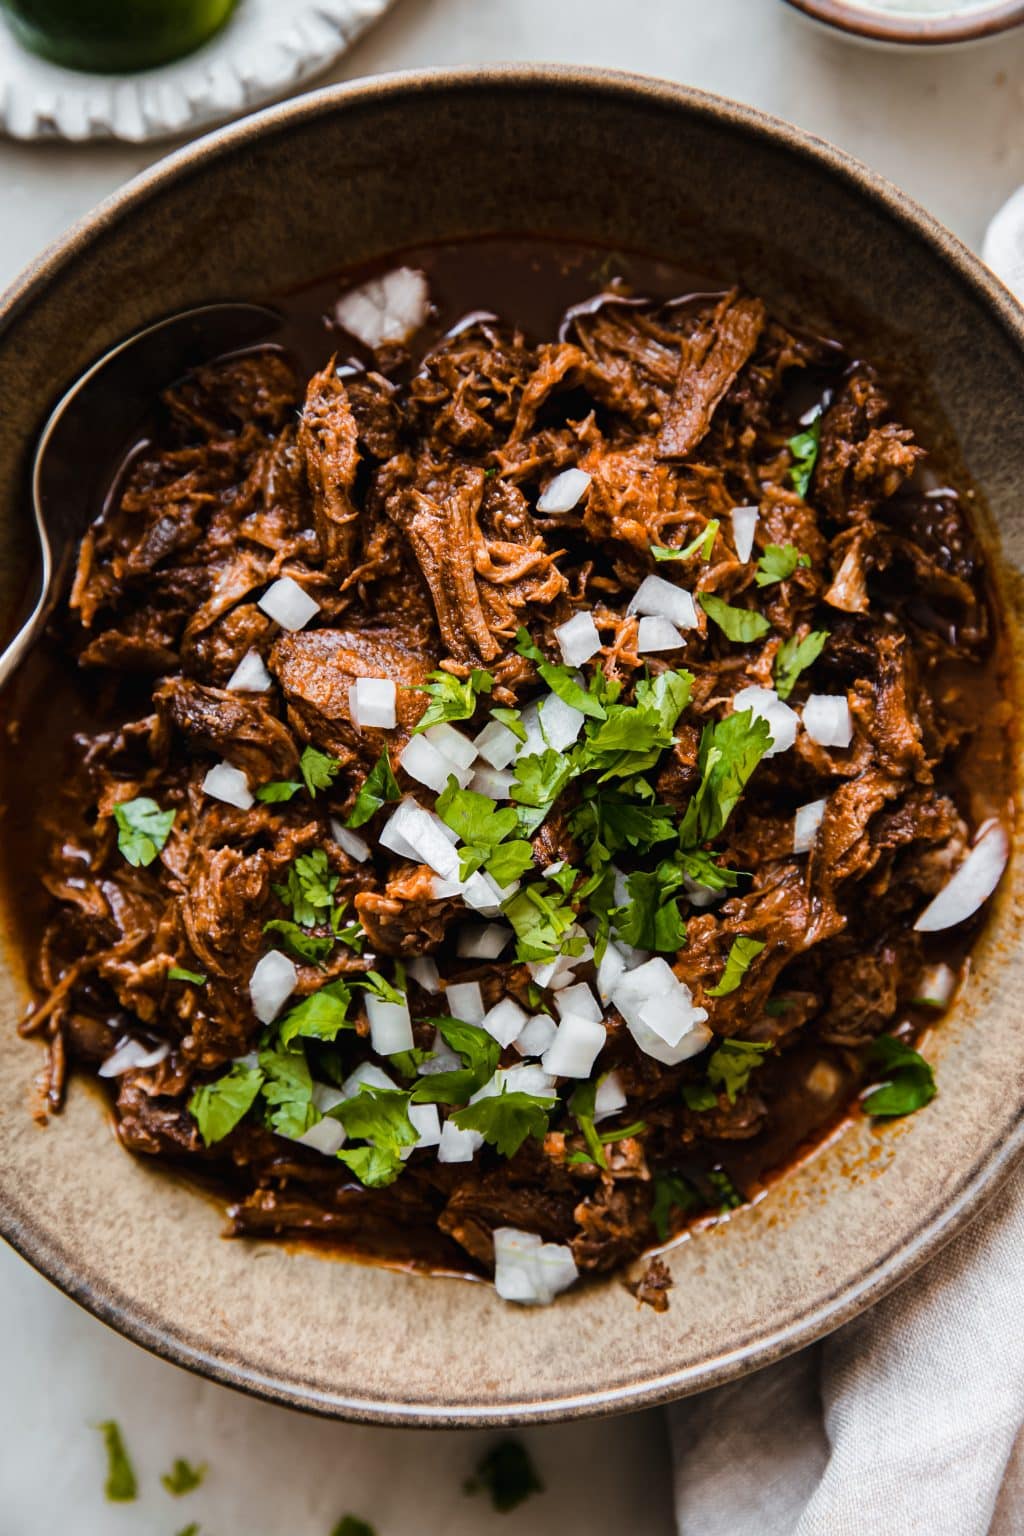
pixel 319 1016
pixel 651 918
pixel 483 830
pixel 183 1477
pixel 451 698
pixel 309 889
pixel 299 942
pixel 540 779
pixel 703 544
pixel 318 769
pixel 729 752
pixel 506 1119
pixel 192 1529
pixel 728 1195
pixel 610 819
pixel 507 1473
pixel 632 737
pixel 288 1090
pixel 700 866
pixel 778 563
pixel 375 1167
pixel 379 985
pixel 379 787
pixel 380 1117
pixel 121 1485
pixel 731 1064
pixel 581 1107
pixel 179 973
pixel 699 1097
pixel 479 1052
pixel 540 922
pixel 511 720
pixel 671 1193
pixel 142 829
pixel 217 1107
pixel 794 656
pixel 278 791
pixel 742 953
pixel 560 679
pixel 908 1082
pixel 804 448
pixel 740 624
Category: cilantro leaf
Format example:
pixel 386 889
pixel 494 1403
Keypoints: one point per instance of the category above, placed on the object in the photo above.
pixel 794 656
pixel 742 953
pixel 309 889
pixel 740 624
pixel 179 973
pixel 633 737
pixel 507 1474
pixel 451 698
pixel 506 1119
pixel 379 985
pixel 319 1016
pixel 729 752
pixel 379 787
pixel 804 448
pixel 288 1089
pixel 651 919
pixel 380 1117
pixel 375 1167
pixel 731 1064
pixel 582 1104
pixel 700 866
pixel 704 543
pixel 510 860
pixel 318 769
pixel 614 819
pixel 217 1107
pixel 142 829
pixel 350 1525
pixel 671 1193
pixel 778 563
pixel 540 779
pixel 298 942
pixel 908 1080
pixel 121 1486
pixel 192 1529
pixel 278 791
pixel 183 1477
pixel 729 1196
pixel 540 922
pixel 699 1097
pixel 482 827
pixel 511 720
pixel 480 1053
pixel 559 679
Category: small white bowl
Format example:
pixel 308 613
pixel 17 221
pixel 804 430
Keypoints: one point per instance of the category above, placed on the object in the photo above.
pixel 914 23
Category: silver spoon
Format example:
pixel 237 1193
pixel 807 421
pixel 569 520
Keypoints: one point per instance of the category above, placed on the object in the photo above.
pixel 90 425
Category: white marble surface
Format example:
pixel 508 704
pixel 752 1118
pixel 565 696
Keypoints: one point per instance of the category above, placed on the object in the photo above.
pixel 950 129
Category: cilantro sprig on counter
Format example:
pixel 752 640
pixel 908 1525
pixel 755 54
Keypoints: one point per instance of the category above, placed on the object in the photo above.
pixel 121 1485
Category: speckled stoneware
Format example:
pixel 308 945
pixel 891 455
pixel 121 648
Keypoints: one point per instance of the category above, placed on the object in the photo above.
pixel 353 172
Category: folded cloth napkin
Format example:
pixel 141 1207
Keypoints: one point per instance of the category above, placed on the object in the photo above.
pixel 1003 246
pixel 907 1420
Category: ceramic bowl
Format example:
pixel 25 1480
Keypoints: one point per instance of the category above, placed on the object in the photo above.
pixel 341 176
pixel 912 24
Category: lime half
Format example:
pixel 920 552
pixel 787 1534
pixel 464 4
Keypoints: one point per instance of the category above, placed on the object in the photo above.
pixel 115 36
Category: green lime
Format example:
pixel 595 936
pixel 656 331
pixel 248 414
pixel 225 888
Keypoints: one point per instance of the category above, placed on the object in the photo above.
pixel 115 36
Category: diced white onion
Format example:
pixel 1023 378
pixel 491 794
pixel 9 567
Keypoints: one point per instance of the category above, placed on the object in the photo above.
pixel 482 941
pixel 578 639
pixel 428 1126
pixel 936 986
pixel 766 705
pixel 423 969
pixel 271 985
pixel 416 830
pixel 560 722
pixel 496 744
pixel 430 766
pixel 657 634
pixel 390 1026
pixel 564 492
pixel 250 676
pixel 581 1001
pixel 229 785
pixel 534 742
pixel 806 823
pixel 610 1097
pixel 659 1012
pixel 326 1097
pixel 827 719
pixel 457 1146
pixel 536 1035
pixel 575 1048
pixel 652 1044
pixel 388 308
pixel 485 895
pixel 288 604
pixel 744 521
pixel 350 842
pixel 528 1078
pixel 442 1058
pixel 131 1055
pixel 529 1271
pixel 611 967
pixel 504 1021
pixel 372 702
pixel 326 1136
pixel 464 1001
pixel 665 600
pixel 971 885
pixel 442 889
pixel 496 783
pixel 451 744
pixel 367 1074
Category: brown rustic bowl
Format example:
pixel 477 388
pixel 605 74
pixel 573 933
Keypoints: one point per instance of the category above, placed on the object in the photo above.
pixel 986 18
pixel 337 177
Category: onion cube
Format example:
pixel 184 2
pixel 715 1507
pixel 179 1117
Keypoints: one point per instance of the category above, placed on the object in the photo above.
pixel 326 1097
pixel 288 604
pixel 504 1021
pixel 657 634
pixel 390 1026
pixel 326 1136
pixel 744 521
pixel 827 719
pixel 429 765
pixel 578 639
pixel 423 969
pixel 388 308
pixel 766 705
pixel 465 1001
pixel 350 842
pixel 971 884
pixel 250 676
pixel 575 1048
pixel 271 985
pixel 581 1001
pixel 528 1077
pixel 560 723
pixel 482 941
pixel 414 833
pixel 456 1146
pixel 564 492
pixel 427 1122
pixel 372 702
pixel 536 1035
pixel 610 1097
pixel 611 967
pixel 441 1059
pixel 529 1271
pixel 936 986
pixel 663 599
pixel 496 744
pixel 451 744
pixel 229 785
pixel 495 783
pixel 806 823
pixel 367 1074
pixel 654 1045
pixel 132 1056
pixel 485 895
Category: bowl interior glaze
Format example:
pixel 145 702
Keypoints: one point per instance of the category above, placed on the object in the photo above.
pixel 343 176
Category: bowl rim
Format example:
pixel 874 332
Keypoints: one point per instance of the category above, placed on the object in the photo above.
pixel 42 1249
pixel 924 31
